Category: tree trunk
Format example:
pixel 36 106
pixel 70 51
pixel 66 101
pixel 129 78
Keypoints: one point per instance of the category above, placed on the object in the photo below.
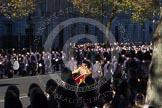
pixel 109 22
pixel 154 89
pixel 112 16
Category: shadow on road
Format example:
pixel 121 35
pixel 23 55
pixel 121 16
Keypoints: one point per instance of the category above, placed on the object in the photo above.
pixel 7 84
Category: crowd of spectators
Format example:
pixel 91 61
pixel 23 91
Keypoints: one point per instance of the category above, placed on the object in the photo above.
pixel 125 66
pixel 120 95
pixel 27 62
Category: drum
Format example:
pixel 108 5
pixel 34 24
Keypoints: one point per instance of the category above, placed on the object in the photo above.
pixel 16 65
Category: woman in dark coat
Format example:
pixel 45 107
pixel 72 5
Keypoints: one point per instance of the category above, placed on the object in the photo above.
pixel 38 99
pixel 12 98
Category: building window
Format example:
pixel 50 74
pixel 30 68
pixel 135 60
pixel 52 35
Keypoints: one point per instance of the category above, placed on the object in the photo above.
pixel 73 30
pixel 43 8
pixel 8 29
pixel 61 37
pixel 150 29
pixel 96 31
pixel 86 29
pixel 126 30
pixel 117 33
pixel 134 29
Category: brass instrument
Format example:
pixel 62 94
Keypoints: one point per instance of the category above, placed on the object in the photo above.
pixel 84 72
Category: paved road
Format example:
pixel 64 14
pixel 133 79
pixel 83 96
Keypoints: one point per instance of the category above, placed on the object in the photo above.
pixel 23 84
